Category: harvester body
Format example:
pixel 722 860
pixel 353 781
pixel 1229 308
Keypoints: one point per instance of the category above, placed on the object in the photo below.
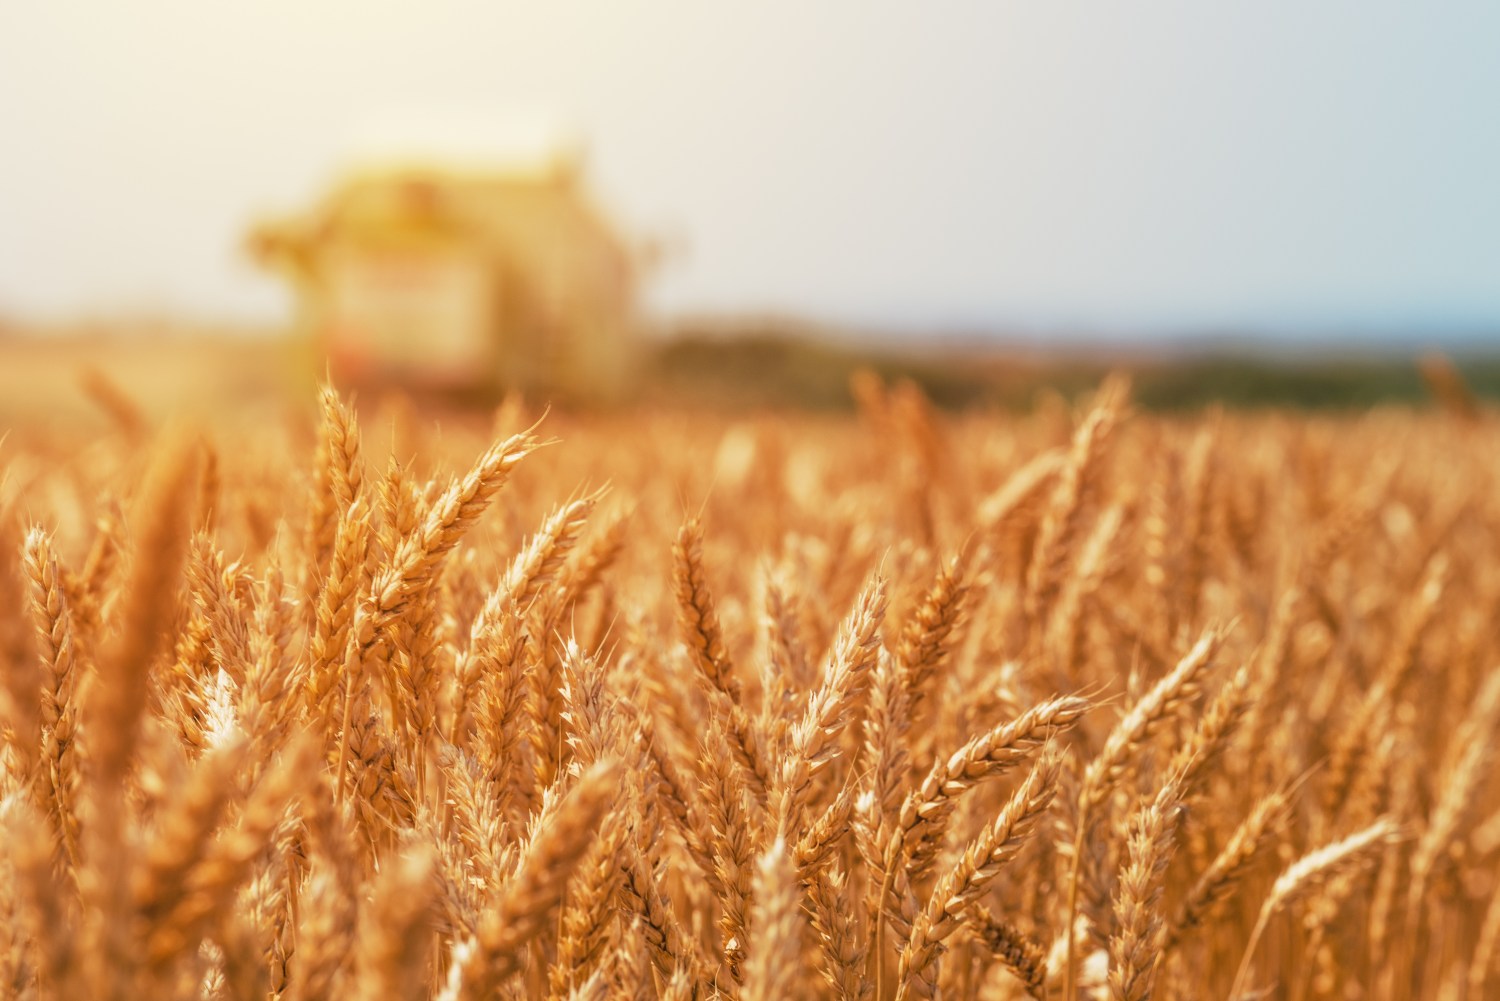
pixel 462 280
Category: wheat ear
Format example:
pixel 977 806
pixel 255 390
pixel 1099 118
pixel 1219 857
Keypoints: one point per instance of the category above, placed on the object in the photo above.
pixel 1311 872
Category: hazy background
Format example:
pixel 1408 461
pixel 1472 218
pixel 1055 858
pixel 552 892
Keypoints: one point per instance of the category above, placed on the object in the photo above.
pixel 1051 169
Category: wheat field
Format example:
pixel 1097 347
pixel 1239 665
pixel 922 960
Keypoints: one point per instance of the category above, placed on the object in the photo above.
pixel 1086 703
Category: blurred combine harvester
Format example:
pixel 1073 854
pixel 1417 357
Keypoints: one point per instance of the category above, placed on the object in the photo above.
pixel 464 270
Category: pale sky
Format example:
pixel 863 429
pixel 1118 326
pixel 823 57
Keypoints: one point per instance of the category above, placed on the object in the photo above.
pixel 1279 165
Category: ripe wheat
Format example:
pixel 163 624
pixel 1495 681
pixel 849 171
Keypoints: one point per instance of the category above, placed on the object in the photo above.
pixel 962 707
